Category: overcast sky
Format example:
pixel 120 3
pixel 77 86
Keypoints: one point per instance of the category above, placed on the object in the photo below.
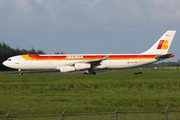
pixel 89 26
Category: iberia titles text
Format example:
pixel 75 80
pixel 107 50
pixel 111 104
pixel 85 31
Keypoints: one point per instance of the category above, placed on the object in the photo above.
pixel 74 57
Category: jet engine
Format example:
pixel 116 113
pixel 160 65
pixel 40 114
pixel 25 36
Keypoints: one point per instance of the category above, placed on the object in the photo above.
pixel 67 68
pixel 82 66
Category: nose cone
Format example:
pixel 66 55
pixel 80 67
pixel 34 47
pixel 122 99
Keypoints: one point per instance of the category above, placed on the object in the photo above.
pixel 4 63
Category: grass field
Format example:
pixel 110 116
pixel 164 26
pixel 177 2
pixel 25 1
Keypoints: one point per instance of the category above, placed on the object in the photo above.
pixel 104 92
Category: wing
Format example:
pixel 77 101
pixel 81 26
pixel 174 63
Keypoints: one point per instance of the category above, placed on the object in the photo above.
pixel 92 62
pixel 81 65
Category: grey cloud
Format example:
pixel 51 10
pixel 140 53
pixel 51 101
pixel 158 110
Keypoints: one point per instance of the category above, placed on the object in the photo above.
pixel 40 1
pixel 85 22
pixel 166 10
pixel 22 6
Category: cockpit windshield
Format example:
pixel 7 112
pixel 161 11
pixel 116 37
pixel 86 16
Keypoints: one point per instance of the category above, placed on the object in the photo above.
pixel 8 59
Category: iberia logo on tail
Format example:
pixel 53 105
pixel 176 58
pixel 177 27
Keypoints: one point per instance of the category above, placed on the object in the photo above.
pixel 163 44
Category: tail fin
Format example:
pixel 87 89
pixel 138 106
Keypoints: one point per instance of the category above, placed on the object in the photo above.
pixel 163 44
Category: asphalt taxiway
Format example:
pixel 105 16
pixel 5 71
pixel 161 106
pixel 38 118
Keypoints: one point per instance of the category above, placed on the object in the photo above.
pixel 52 73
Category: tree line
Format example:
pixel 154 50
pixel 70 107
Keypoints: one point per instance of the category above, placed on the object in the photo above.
pixel 6 51
pixel 162 65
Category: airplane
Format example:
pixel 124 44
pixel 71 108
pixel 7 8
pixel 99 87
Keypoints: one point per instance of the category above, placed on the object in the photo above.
pixel 92 62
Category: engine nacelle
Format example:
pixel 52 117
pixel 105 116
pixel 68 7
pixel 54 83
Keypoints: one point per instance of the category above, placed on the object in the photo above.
pixel 67 68
pixel 82 66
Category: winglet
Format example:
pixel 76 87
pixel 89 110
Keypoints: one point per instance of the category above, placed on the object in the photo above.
pixel 106 57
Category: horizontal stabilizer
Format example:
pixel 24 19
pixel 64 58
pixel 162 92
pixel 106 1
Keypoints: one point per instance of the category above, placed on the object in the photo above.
pixel 161 57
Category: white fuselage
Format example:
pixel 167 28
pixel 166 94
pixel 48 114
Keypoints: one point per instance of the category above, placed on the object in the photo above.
pixel 18 62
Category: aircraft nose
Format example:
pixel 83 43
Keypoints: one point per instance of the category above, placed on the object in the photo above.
pixel 4 63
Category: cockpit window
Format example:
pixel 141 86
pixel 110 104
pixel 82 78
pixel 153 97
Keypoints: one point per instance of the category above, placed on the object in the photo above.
pixel 8 59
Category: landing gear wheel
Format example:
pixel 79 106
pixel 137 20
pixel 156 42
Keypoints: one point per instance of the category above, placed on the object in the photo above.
pixel 20 73
pixel 92 72
pixel 85 73
pixel 89 72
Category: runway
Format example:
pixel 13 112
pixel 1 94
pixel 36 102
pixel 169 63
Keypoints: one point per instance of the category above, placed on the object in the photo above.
pixel 52 73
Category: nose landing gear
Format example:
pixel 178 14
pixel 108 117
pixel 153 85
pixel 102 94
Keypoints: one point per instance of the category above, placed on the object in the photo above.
pixel 20 72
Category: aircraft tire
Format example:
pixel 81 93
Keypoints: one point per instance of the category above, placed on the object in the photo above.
pixel 94 73
pixel 20 73
pixel 85 73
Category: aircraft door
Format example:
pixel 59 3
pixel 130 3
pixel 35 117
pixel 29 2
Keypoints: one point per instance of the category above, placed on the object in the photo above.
pixel 140 58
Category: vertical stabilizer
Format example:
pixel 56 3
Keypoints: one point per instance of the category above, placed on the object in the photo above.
pixel 163 44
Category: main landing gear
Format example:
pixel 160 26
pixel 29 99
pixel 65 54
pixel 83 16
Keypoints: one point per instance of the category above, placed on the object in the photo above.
pixel 89 72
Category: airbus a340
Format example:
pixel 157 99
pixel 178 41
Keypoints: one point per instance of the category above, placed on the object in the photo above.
pixel 91 62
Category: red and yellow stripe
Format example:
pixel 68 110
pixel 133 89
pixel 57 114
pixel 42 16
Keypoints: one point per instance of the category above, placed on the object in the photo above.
pixel 86 57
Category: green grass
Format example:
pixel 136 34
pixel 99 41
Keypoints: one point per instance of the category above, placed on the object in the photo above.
pixel 105 92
